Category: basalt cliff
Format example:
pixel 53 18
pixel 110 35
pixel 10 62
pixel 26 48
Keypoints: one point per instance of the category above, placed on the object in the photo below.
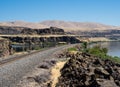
pixel 8 30
pixel 32 38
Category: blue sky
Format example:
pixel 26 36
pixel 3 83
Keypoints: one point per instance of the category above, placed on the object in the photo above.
pixel 102 11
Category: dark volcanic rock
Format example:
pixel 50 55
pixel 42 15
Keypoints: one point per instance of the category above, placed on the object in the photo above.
pixel 51 30
pixel 42 78
pixel 39 40
pixel 23 30
pixel 10 30
pixel 36 40
pixel 47 64
pixel 83 70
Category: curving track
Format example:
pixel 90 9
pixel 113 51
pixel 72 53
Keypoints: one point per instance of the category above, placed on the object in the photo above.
pixel 8 60
pixel 12 70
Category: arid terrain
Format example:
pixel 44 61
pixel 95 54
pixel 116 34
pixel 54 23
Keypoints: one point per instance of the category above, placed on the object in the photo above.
pixel 60 43
pixel 48 68
pixel 66 25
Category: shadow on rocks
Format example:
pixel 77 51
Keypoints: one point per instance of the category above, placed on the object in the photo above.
pixel 84 70
pixel 47 64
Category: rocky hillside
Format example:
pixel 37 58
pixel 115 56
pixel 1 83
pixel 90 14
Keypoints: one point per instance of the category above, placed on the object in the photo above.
pixel 84 70
pixel 23 30
pixel 95 33
pixel 78 26
pixel 66 25
pixel 23 24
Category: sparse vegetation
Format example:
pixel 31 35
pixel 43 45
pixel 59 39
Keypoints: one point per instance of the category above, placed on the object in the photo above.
pixel 84 46
pixel 102 53
pixel 83 68
pixel 96 51
pixel 72 49
pixel 36 47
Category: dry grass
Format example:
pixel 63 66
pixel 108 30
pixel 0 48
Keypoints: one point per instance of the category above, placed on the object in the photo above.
pixel 55 71
pixel 20 35
pixel 99 39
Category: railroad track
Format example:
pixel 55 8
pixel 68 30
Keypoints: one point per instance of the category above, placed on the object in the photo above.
pixel 13 70
pixel 2 62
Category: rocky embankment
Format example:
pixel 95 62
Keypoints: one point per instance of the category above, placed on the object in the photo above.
pixel 84 70
pixel 4 47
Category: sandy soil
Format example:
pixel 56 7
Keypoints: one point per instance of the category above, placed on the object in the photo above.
pixel 55 72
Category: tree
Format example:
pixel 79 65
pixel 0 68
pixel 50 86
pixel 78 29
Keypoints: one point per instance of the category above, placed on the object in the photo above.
pixel 98 51
pixel 105 50
pixel 84 45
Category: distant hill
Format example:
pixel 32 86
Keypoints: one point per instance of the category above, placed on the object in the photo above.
pixel 78 26
pixel 66 25
pixel 23 24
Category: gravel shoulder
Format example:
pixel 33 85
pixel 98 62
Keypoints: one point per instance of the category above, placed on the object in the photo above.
pixel 11 73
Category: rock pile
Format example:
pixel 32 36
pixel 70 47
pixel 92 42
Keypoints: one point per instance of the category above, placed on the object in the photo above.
pixel 84 70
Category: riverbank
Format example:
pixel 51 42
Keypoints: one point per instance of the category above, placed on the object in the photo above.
pixel 100 39
pixel 84 70
pixel 80 70
pixel 113 47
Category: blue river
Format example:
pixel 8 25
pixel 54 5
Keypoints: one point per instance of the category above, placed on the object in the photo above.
pixel 113 47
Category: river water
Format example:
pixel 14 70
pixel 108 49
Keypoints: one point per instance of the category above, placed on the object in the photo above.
pixel 113 48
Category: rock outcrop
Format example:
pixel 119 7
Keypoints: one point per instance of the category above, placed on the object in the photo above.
pixel 51 30
pixel 24 39
pixel 10 30
pixel 23 30
pixel 111 33
pixel 5 49
pixel 38 40
pixel 84 70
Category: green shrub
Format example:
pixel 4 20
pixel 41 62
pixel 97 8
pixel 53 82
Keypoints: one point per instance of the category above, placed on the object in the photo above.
pixel 36 48
pixel 98 51
pixel 84 47
pixel 102 53
pixel 72 49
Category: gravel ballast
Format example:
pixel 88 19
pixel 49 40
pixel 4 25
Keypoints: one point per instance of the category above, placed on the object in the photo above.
pixel 11 73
